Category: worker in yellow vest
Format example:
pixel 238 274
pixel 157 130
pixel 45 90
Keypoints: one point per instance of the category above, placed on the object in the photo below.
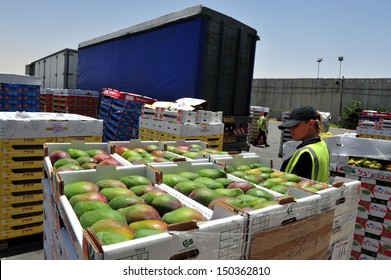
pixel 311 159
pixel 262 131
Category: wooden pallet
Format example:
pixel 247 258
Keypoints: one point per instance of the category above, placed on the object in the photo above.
pixel 21 245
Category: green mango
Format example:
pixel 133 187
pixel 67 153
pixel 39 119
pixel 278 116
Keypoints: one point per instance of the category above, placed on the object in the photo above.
pixel 148 224
pixel 91 217
pixel 250 199
pixel 108 238
pixel 64 161
pixel 189 175
pixel 135 180
pixel 183 214
pixel 209 182
pixel 212 173
pixel 84 206
pixel 186 187
pixel 149 196
pixel 165 203
pixel 204 195
pixel 110 183
pixel 142 189
pixel 173 179
pixel 76 153
pixel 89 196
pixel 83 160
pixel 224 181
pixel 264 204
pixel 229 200
pixel 229 192
pixel 282 189
pixel 257 192
pixel 110 193
pixel 126 200
pixel 147 232
pixel 80 187
pixel 139 212
pixel 113 225
pixel 94 152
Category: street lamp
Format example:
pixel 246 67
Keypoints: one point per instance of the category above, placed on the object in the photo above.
pixel 340 59
pixel 319 61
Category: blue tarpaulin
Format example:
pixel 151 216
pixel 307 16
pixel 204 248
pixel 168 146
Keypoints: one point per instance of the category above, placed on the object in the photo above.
pixel 165 63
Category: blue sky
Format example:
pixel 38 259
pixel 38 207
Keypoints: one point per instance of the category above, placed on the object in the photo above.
pixel 294 34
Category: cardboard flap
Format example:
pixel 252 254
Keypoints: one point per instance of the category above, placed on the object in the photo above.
pixel 185 226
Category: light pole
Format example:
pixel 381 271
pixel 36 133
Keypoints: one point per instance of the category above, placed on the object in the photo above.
pixel 340 59
pixel 319 61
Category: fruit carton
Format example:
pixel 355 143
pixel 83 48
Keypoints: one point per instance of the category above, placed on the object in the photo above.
pixel 380 230
pixel 228 232
pixel 373 210
pixel 8 187
pixel 357 255
pixel 24 230
pixel 22 198
pixel 12 222
pixel 20 210
pixel 374 247
pixel 373 191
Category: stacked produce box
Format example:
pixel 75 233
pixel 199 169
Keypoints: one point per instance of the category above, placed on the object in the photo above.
pixel 120 112
pixel 256 112
pixel 75 101
pixel 22 136
pixel 165 121
pixel 375 125
pixel 370 164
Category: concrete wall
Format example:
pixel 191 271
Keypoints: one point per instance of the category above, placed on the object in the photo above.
pixel 327 95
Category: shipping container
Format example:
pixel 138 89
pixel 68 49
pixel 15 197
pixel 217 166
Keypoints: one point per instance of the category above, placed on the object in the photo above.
pixel 58 70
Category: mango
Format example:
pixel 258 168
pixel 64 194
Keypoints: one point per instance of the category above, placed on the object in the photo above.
pixel 108 238
pixel 229 168
pixel 266 169
pixel 147 232
pixel 149 224
pixel 112 225
pixel 229 200
pixel 229 192
pixel 139 212
pixel 149 196
pixel 255 165
pixel 165 203
pixel 89 165
pixel 110 193
pixel 123 201
pixel 291 177
pixel 186 187
pixel 84 206
pixel 238 174
pixel 243 168
pixel 189 175
pixel 253 178
pixel 90 196
pixel 110 183
pixel 183 214
pixel 135 180
pixel 173 179
pixel 282 189
pixel 212 173
pixel 91 217
pixel 83 160
pixel 94 152
pixel 64 161
pixel 57 155
pixel 243 185
pixel 257 192
pixel 142 189
pixel 250 199
pixel 209 182
pixel 76 153
pixel 204 195
pixel 224 181
pixel 80 187
pixel 69 167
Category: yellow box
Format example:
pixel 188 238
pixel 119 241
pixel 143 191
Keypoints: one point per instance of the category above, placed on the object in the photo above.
pixel 9 223
pixel 143 137
pixel 173 137
pixel 27 141
pixel 9 200
pixel 143 130
pixel 152 134
pixel 163 136
pixel 79 138
pixel 27 208
pixel 218 147
pixel 24 230
pixel 21 174
pixel 21 162
pixel 7 188
pixel 21 151
pixel 191 137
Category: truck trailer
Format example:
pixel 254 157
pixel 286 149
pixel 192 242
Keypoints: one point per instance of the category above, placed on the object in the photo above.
pixel 196 53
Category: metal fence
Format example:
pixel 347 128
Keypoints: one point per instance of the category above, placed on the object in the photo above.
pixel 326 95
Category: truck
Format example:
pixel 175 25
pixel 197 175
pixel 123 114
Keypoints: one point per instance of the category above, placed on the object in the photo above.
pixel 57 70
pixel 195 53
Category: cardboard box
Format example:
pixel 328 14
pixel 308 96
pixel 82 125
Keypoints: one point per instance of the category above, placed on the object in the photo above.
pixel 307 239
pixel 37 125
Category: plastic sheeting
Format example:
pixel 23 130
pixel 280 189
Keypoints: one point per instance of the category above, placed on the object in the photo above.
pixel 165 63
